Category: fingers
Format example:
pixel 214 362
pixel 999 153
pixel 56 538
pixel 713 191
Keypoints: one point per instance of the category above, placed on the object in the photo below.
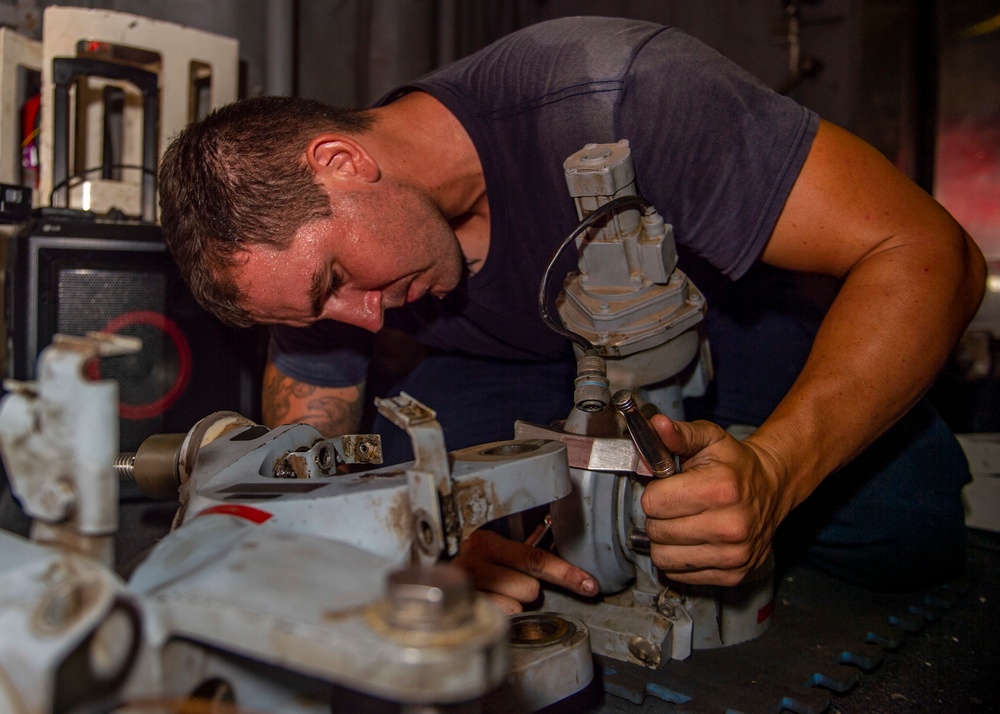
pixel 687 438
pixel 535 562
pixel 507 605
pixel 708 565
pixel 681 549
pixel 713 522
pixel 495 579
pixel 708 576
pixel 511 570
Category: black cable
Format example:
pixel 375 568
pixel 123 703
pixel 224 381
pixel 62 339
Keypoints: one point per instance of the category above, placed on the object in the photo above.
pixel 79 176
pixel 586 223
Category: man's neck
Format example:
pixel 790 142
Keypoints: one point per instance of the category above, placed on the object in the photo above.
pixel 420 142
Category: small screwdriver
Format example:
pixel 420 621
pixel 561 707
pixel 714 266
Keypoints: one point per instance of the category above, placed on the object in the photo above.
pixel 661 461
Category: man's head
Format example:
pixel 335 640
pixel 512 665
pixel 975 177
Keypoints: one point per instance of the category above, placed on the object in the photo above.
pixel 239 178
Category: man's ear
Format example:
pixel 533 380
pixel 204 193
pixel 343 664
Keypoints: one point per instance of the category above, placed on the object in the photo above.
pixel 338 157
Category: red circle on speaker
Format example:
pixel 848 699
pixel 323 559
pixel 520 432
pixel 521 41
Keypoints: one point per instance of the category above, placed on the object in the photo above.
pixel 184 361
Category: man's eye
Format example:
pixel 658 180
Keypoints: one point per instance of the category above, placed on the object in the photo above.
pixel 335 283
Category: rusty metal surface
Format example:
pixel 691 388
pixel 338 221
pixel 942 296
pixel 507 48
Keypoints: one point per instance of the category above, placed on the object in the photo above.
pixel 360 448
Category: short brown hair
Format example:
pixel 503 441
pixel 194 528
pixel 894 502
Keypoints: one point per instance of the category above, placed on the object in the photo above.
pixel 238 178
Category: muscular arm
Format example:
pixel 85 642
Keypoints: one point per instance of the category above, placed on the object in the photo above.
pixel 332 410
pixel 912 279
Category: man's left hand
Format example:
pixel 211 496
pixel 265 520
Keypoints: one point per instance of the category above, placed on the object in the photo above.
pixel 509 571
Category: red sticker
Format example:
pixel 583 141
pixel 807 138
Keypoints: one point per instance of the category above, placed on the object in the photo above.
pixel 255 515
pixel 765 612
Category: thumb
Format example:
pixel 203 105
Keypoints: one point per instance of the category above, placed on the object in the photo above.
pixel 685 438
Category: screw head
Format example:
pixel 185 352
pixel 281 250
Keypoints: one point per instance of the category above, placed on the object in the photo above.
pixel 645 651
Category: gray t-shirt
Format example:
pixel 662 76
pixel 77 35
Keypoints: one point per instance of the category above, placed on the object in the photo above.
pixel 714 150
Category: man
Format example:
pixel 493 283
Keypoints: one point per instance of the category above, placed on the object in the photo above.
pixel 438 210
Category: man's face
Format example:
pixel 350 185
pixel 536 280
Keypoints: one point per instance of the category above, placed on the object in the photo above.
pixel 382 252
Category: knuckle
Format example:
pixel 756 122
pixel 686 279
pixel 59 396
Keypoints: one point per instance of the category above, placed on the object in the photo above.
pixel 727 490
pixel 737 558
pixel 658 555
pixel 650 501
pixel 735 530
pixel 729 578
pixel 535 562
pixel 531 591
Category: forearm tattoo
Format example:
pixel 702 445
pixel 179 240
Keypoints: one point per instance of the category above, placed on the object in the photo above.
pixel 331 415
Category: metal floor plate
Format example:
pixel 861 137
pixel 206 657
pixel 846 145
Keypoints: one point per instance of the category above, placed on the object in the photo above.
pixel 836 648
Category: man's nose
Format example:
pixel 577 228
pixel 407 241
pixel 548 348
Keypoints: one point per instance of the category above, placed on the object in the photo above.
pixel 364 311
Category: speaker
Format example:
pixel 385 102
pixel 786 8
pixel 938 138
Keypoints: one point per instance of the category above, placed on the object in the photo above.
pixel 79 276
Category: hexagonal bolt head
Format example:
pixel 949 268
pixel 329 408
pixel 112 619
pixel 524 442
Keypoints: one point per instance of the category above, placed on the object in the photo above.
pixel 434 597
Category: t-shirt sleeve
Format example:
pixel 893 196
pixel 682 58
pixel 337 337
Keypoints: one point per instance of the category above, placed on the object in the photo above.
pixel 715 150
pixel 325 354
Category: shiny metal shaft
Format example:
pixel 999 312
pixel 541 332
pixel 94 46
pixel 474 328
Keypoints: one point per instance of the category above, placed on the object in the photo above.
pixel 661 461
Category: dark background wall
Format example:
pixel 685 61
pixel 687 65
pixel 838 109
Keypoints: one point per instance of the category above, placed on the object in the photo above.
pixel 884 69
pixel 348 52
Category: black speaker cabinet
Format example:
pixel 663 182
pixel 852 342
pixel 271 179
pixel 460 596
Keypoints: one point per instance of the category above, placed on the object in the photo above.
pixel 74 277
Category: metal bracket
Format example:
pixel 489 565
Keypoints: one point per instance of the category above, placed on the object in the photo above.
pixel 436 525
pixel 60 437
pixel 326 455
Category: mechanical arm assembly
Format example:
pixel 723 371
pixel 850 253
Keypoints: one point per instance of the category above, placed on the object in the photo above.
pixel 288 584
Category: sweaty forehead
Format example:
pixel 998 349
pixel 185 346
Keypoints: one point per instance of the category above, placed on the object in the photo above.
pixel 281 284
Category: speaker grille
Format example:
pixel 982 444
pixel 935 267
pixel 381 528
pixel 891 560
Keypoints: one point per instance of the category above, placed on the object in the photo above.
pixel 130 303
pixel 119 279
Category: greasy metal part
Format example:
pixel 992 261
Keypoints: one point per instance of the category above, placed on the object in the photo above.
pixel 507 477
pixel 343 527
pixel 644 651
pixel 540 628
pixel 435 519
pixel 629 627
pixel 323 457
pixel 638 541
pixel 369 509
pixel 315 462
pixel 358 448
pixel 155 466
pixel 550 659
pixel 661 461
pixel 591 385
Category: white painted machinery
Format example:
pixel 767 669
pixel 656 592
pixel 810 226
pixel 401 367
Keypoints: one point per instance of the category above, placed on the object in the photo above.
pixel 290 584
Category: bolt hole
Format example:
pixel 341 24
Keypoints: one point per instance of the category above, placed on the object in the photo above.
pixel 513 449
pixel 324 457
pixel 536 630
pixel 425 531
